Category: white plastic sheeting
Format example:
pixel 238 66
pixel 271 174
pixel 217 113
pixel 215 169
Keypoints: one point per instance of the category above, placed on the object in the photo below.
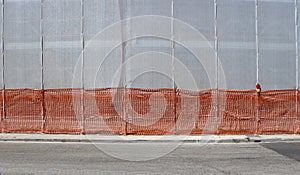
pixel 99 15
pixel 44 42
pixel 151 72
pixel 236 42
pixel 200 15
pixel 277 51
pixel 62 42
pixel 1 45
pixel 297 16
pixel 22 44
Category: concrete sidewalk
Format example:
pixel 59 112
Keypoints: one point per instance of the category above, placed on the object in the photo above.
pixel 38 137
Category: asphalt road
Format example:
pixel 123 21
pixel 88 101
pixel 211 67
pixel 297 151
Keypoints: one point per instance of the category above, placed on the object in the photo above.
pixel 158 158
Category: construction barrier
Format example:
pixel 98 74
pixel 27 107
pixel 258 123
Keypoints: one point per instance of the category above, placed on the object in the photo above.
pixel 149 111
pixel 100 114
pixel 23 110
pixel 63 110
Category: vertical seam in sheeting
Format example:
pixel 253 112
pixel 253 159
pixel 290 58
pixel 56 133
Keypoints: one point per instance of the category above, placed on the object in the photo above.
pixel 296 42
pixel 122 61
pixel 173 69
pixel 297 57
pixel 216 58
pixel 127 36
pixel 216 44
pixel 82 66
pixel 257 64
pixel 2 36
pixel 127 81
pixel 172 41
pixel 122 40
pixel 82 42
pixel 2 54
pixel 42 41
pixel 42 60
pixel 256 40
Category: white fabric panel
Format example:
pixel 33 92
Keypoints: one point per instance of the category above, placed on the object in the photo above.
pixel 199 15
pixel 237 43
pixel 1 46
pixel 22 48
pixel 148 7
pixel 99 15
pixel 62 43
pixel 193 67
pixel 276 26
pixel 147 71
pixel 106 74
pixel 63 22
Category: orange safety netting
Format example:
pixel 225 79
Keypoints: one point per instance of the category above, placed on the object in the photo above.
pixel 100 115
pixel 149 111
pixel 1 110
pixel 23 110
pixel 63 110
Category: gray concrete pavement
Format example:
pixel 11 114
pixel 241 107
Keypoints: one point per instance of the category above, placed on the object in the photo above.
pixel 189 158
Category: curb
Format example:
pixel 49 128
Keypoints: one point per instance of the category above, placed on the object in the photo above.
pixel 66 138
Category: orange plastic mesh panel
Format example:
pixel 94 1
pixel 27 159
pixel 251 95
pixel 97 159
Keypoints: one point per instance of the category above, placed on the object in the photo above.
pixel 192 110
pixel 207 110
pixel 277 111
pixel 1 110
pixel 237 112
pixel 23 110
pixel 150 111
pixel 187 112
pixel 63 110
pixel 103 111
pixel 297 121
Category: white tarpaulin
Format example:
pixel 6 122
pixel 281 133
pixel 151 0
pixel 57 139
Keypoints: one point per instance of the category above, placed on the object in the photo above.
pixel 59 44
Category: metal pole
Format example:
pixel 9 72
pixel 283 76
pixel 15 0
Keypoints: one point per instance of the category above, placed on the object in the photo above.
pixel 82 64
pixel 127 85
pixel 256 41
pixel 216 102
pixel 257 63
pixel 42 59
pixel 173 69
pixel 172 41
pixel 122 77
pixel 297 58
pixel 2 55
pixel 296 44
pixel 42 41
pixel 216 44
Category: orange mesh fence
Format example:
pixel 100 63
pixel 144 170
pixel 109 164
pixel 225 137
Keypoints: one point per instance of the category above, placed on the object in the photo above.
pixel 63 110
pixel 271 112
pixel 297 121
pixel 238 112
pixel 192 110
pixel 23 110
pixel 277 112
pixel 100 111
pixel 150 111
pixel 1 110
